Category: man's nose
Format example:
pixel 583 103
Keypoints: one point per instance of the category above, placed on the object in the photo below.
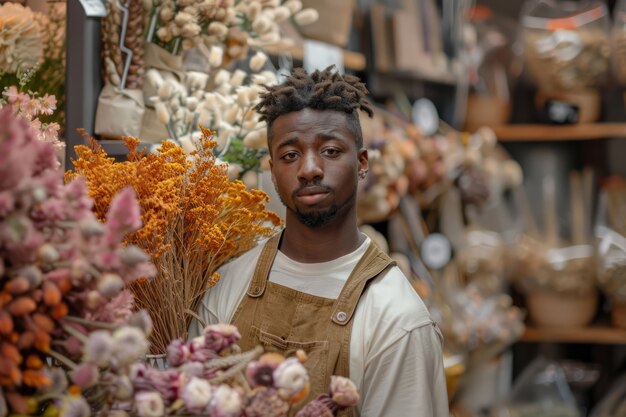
pixel 311 168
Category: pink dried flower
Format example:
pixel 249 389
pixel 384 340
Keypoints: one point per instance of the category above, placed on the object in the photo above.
pixel 220 336
pixel 316 408
pixel 129 343
pixel 226 402
pixel 12 94
pixel 261 373
pixel 117 311
pixel 196 394
pixel 85 375
pixel 7 203
pixel 177 353
pixel 123 217
pixel 140 319
pixel 149 404
pixel 343 391
pixel 99 348
pixel 267 403
pixel 48 104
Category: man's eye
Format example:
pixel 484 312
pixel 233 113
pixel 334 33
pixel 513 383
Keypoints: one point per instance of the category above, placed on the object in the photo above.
pixel 331 152
pixel 289 156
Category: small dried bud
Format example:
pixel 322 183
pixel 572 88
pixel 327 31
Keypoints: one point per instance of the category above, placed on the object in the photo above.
pixel 182 18
pixel 257 61
pixel 294 6
pixel 281 13
pixel 91 228
pixel 162 114
pixel 132 255
pixel 261 25
pixel 164 34
pixel 238 77
pixel 215 56
pixel 306 17
pixel 218 29
pixel 110 285
pixel 48 253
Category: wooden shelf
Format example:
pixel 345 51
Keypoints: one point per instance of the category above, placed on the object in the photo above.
pixel 351 60
pixel 595 334
pixel 541 132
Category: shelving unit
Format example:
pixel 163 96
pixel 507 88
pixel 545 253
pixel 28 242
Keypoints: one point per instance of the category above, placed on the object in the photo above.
pixel 351 60
pixel 541 132
pixel 595 334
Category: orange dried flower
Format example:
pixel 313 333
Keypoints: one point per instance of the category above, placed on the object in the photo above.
pixel 194 220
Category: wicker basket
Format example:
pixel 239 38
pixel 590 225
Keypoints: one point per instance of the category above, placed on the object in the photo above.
pixel 550 309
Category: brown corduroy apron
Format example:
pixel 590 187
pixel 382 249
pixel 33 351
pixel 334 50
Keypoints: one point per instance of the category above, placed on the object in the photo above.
pixel 284 320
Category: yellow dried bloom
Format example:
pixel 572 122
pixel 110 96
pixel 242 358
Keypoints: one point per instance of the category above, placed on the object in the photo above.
pixel 194 220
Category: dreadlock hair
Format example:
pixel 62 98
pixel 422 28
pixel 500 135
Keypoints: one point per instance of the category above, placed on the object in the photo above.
pixel 321 90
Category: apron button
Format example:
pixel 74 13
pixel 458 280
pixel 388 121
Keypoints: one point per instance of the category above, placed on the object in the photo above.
pixel 341 316
pixel 256 291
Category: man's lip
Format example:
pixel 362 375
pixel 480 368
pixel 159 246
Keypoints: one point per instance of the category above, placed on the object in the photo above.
pixel 311 191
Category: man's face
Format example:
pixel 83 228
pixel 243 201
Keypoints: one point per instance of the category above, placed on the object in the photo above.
pixel 315 165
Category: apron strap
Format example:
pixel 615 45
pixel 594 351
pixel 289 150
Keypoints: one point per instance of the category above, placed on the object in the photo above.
pixel 372 263
pixel 263 266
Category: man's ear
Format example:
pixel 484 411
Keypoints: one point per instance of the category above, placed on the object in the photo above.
pixel 363 160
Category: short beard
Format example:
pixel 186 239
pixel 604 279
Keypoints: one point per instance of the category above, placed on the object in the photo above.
pixel 317 219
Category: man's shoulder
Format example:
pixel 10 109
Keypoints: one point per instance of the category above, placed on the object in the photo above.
pixel 247 258
pixel 395 301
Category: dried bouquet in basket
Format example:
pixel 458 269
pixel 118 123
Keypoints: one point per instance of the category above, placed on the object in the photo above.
pixel 194 219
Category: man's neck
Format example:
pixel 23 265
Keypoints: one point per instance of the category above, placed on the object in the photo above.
pixel 321 244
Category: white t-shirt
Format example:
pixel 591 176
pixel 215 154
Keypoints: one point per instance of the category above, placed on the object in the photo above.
pixel 395 347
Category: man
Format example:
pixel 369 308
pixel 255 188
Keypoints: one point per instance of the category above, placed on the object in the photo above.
pixel 322 286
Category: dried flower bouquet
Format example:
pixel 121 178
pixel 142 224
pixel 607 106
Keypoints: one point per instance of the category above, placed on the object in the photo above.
pixel 194 219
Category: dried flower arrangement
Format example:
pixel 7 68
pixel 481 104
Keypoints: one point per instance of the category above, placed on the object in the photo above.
pixel 60 268
pixel 30 106
pixel 194 219
pixel 33 52
pixel 227 28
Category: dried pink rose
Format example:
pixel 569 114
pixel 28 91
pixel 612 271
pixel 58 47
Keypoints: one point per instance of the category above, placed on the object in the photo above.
pixel 319 407
pixel 343 391
pixel 220 336
pixel 177 353
pixel 85 375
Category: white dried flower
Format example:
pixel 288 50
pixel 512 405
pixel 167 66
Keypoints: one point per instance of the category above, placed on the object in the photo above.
pixel 294 6
pixel 253 10
pixel 154 78
pixel 149 404
pixel 252 140
pixel 306 17
pixel 253 92
pixel 130 343
pixel 196 394
pixel 166 90
pixel 174 29
pixel 182 18
pixel 218 29
pixel 166 14
pixel 231 115
pixel 261 24
pixel 197 80
pixel 226 401
pixel 242 97
pixel 190 30
pixel 21 44
pixel 162 114
pixel 290 376
pixel 222 77
pixel 110 285
pixel 191 103
pixel 269 77
pixel 281 13
pixel 238 77
pixel 174 104
pixel 215 56
pixel 224 89
pixel 257 61
pixel 269 38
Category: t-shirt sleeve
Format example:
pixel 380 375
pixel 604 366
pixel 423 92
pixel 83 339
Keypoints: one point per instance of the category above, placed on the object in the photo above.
pixel 407 378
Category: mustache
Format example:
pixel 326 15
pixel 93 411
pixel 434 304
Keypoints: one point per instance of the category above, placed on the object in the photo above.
pixel 316 185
